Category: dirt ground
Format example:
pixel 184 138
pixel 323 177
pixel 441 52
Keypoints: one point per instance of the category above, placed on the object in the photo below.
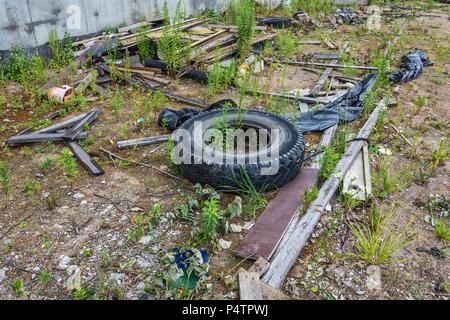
pixel 92 218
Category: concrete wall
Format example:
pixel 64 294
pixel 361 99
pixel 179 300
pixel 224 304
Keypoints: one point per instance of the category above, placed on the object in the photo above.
pixel 27 23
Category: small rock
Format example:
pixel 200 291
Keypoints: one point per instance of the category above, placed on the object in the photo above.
pixel 3 274
pixel 145 240
pixel 224 244
pixel 73 280
pixel 63 262
pixel 83 203
pixel 373 281
pixel 117 277
pixel 78 195
pixel 328 207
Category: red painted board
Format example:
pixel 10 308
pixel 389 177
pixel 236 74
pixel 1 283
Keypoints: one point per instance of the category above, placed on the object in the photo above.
pixel 262 239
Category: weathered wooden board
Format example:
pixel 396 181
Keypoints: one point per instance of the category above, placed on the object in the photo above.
pixel 268 293
pixel 264 236
pixel 260 266
pixel 249 287
pixel 318 86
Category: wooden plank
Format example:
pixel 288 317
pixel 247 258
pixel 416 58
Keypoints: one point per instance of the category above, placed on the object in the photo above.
pixel 205 39
pixel 132 39
pixel 393 41
pixel 78 127
pixel 318 86
pixel 189 101
pixel 85 159
pixel 234 28
pixel 293 243
pixel 30 138
pixel 269 293
pixel 249 288
pixel 86 81
pixel 293 97
pixel 159 34
pixel 140 24
pixel 142 142
pixel 233 47
pixel 318 42
pixel 115 35
pixel 138 70
pixel 317 64
pixel 263 237
pixel 220 41
pixel 61 125
pixel 260 266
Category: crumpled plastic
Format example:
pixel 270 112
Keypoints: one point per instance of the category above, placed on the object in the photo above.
pixel 413 64
pixel 181 257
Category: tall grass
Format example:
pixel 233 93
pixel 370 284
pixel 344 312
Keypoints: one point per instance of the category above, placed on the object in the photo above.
pixel 244 16
pixel 378 242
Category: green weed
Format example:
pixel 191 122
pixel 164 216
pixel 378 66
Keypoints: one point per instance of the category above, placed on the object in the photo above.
pixel 378 242
pixel 67 163
pixel 5 181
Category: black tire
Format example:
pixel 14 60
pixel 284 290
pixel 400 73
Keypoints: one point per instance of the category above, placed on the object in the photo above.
pixel 219 175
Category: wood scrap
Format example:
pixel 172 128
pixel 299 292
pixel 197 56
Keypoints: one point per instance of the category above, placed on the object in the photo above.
pixel 326 73
pixel 249 287
pixel 234 28
pixel 140 24
pixel 268 293
pixel 260 266
pixel 327 65
pixel 205 39
pixel 228 50
pixel 142 142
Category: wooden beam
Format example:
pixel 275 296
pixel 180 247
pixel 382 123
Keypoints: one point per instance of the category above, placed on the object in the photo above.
pixel 140 24
pixel 142 142
pixel 132 39
pixel 205 39
pixel 85 159
pixel 293 242
pixel 234 47
pixel 234 28
pixel 260 266
pixel 293 97
pixel 327 65
pixel 189 101
pixel 318 86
